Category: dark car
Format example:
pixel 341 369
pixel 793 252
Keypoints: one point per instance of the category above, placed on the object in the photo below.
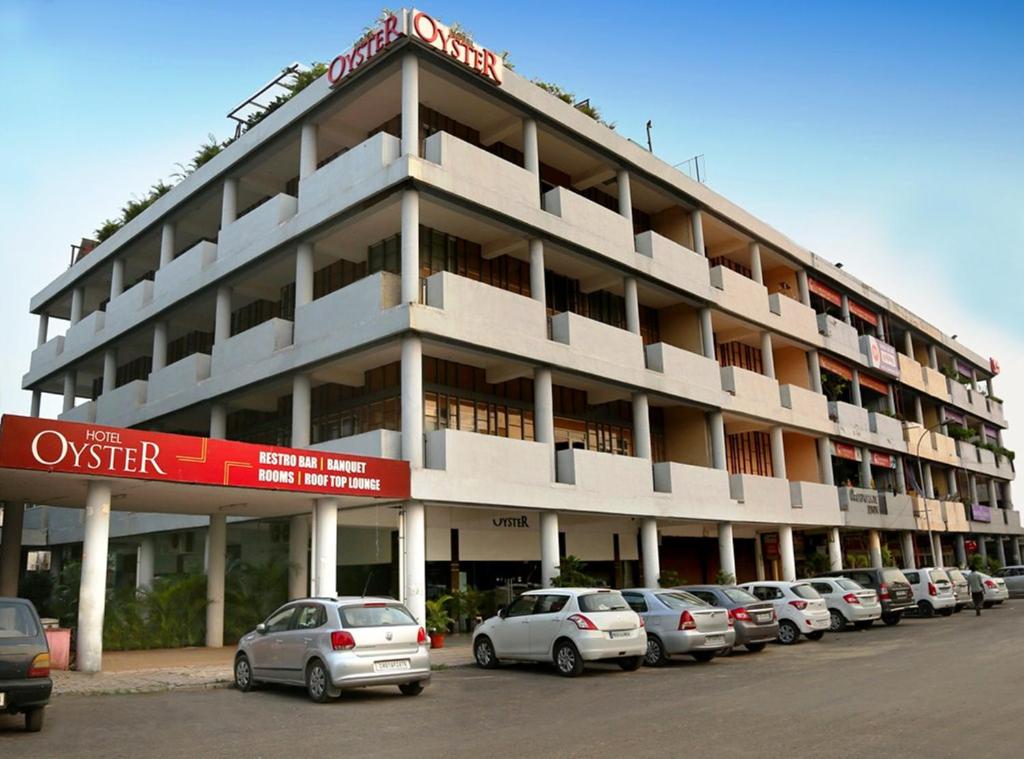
pixel 25 682
pixel 753 620
pixel 892 586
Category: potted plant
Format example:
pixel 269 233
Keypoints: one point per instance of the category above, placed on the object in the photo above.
pixel 438 620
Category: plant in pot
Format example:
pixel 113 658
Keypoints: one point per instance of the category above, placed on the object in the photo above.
pixel 438 620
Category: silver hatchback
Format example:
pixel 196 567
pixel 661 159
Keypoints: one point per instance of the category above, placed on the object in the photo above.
pixel 680 623
pixel 331 644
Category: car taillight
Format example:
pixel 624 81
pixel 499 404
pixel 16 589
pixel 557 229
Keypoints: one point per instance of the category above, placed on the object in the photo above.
pixel 686 621
pixel 582 622
pixel 739 613
pixel 801 605
pixel 990 584
pixel 642 623
pixel 421 636
pixel 40 666
pixel 851 599
pixel 775 616
pixel 342 640
pixel 932 590
pixel 883 592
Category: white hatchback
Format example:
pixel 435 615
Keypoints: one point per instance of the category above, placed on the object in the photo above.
pixel 848 602
pixel 800 608
pixel 933 591
pixel 566 626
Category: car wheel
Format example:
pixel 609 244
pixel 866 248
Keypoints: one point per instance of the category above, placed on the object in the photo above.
pixel 755 647
pixel 892 619
pixel 816 635
pixel 788 633
pixel 411 689
pixel 567 659
pixel 946 612
pixel 863 625
pixel 655 656
pixel 837 622
pixel 704 656
pixel 483 652
pixel 34 720
pixel 631 663
pixel 243 674
pixel 318 684
pixel 925 609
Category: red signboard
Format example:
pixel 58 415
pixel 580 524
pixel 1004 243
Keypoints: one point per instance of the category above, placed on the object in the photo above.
pixel 71 448
pixel 823 290
pixel 838 368
pixel 872 384
pixel 993 365
pixel 845 451
pixel 858 310
pixel 883 460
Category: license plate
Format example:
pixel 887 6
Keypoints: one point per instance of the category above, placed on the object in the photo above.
pixel 391 665
pixel 762 618
pixel 619 633
pixel 714 640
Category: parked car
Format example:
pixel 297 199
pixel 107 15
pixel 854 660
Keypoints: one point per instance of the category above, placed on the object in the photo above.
pixel 961 592
pixel 566 626
pixel 995 589
pixel 848 603
pixel 933 591
pixel 25 682
pixel 893 589
pixel 679 623
pixel 801 611
pixel 1013 576
pixel 332 644
pixel 755 622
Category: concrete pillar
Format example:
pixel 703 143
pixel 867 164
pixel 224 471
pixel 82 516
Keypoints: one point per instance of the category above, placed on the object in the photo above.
pixel 625 196
pixel 222 315
pixel 726 550
pixel 145 560
pixel 993 494
pixel 415 561
pixel 974 379
pixel 767 355
pixel 835 550
pixel 716 423
pixel 159 346
pixel 933 357
pixel 814 369
pixel 858 401
pixel 217 548
pixel 988 386
pixel 167 243
pixel 901 477
pixel 825 461
pixel 650 550
pixel 109 370
pixel 70 392
pixel 908 344
pixel 218 421
pixel 755 263
pixel 918 413
pixel 909 559
pixel 10 548
pixel 961 551
pixel 803 288
pixel 641 426
pixel 890 400
pixel 875 548
pixel 697 227
pixel 549 554
pixel 531 152
pixel 325 584
pixel 302 405
pixel 116 278
pixel 707 333
pixel 982 546
pixel 1015 550
pixel 307 150
pixel 865 468
pixel 298 556
pixel 77 305
pixel 229 202
pixel 844 307
pixel 937 557
pixel 758 558
pixel 304 274
pixel 544 412
pixel 929 483
pixel 972 487
pixel 632 305
pixel 537 283
pixel 410 105
pixel 410 246
pixel 778 453
pixel 44 327
pixel 93 584
pixel 1000 550
pixel 37 399
pixel 786 553
pixel 412 400
pixel 1007 495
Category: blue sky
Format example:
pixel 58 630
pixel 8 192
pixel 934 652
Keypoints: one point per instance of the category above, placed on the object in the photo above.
pixel 886 136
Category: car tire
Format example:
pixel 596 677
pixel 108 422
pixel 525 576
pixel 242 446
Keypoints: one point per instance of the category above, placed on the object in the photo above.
pixel 630 663
pixel 866 624
pixel 34 720
pixel 816 635
pixel 411 689
pixel 946 612
pixel 655 656
pixel 788 633
pixel 243 674
pixel 703 656
pixel 318 682
pixel 755 648
pixel 567 659
pixel 892 619
pixel 837 622
pixel 925 609
pixel 483 652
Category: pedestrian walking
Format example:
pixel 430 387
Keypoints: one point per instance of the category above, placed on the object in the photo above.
pixel 977 587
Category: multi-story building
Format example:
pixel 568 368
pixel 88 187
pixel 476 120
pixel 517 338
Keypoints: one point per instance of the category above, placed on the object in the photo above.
pixel 580 350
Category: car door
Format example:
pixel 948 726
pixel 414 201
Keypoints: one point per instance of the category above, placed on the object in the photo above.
pixel 265 652
pixel 298 639
pixel 1014 577
pixel 511 636
pixel 545 622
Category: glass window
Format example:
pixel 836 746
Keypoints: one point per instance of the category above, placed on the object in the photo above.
pixel 845 584
pixel 822 587
pixel 890 576
pixel 522 606
pixel 912 577
pixel 603 601
pixel 550 604
pixel 939 576
pixel 17 621
pixel 738 595
pixel 709 598
pixel 805 591
pixel 636 602
pixel 679 599
pixel 280 620
pixel 310 617
pixel 375 615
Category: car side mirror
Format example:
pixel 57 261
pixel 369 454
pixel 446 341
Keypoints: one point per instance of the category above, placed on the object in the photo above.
pixel 261 628
pixel 503 612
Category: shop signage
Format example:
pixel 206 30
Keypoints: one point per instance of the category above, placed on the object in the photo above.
pixel 971 546
pixel 519 523
pixel 870 499
pixel 881 356
pixel 981 513
pixel 824 291
pixel 770 541
pixel 425 28
pixel 845 451
pixel 993 365
pixel 873 384
pixel 838 368
pixel 883 460
pixel 859 311
pixel 87 449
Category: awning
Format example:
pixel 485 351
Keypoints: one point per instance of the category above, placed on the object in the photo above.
pixel 885 460
pixel 859 311
pixel 836 367
pixel 873 384
pixel 822 290
pixel 845 451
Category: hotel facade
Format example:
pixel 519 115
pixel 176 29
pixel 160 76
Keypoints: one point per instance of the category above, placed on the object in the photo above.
pixel 578 349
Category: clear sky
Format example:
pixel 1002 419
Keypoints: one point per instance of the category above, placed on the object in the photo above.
pixel 884 135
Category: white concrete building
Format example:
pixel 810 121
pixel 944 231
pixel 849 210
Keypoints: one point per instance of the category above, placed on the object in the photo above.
pixel 579 349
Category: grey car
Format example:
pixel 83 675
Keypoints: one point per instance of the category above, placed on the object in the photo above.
pixel 754 621
pixel 1014 577
pixel 331 644
pixel 960 589
pixel 680 623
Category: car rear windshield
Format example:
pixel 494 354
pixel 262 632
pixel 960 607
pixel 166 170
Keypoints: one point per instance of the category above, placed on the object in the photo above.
pixel 679 599
pixel 805 591
pixel 740 596
pixel 17 621
pixel 956 575
pixel 848 584
pixel 893 575
pixel 375 615
pixel 939 575
pixel 603 602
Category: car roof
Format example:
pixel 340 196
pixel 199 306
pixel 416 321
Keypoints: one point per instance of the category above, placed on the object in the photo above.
pixel 571 591
pixel 775 583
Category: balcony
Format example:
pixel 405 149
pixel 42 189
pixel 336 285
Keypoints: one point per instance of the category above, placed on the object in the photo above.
pixel 611 479
pixel 123 311
pixel 45 356
pixel 794 318
pixel 754 393
pixel 384 444
pixel 955 516
pixel 933 445
pixel 887 430
pixel 840 337
pixel 928 513
pixel 80 336
pixel 763 499
pixel 598 340
pixel 674 263
pixel 935 384
pixel 467 166
pixel 593 226
pixel 252 346
pixel 977 403
pixel 809 409
pixel 815 503
pixel 177 377
pixel 246 232
pixel 488 458
pixel 348 170
pixel 958 394
pixel 742 295
pixel 866 508
pixel 701 376
pixel 911 373
pixel 699 492
pixel 853 421
pixel 183 274
pixel 121 402
pixel 83 412
pixel 356 306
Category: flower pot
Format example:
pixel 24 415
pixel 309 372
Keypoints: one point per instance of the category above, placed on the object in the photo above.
pixel 436 640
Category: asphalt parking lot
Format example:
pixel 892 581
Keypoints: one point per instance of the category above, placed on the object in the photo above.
pixel 944 687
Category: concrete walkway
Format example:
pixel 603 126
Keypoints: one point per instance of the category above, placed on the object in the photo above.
pixel 173 668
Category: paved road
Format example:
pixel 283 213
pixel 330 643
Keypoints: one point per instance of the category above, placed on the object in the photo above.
pixel 902 691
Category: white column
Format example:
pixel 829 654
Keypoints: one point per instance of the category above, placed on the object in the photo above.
pixel 641 426
pixel 531 153
pixel 961 551
pixel 167 243
pixel 537 284
pixel 301 410
pixel 415 561
pixel 651 554
pixel 10 547
pixel 929 485
pixel 814 369
pixel 216 547
pixel 307 150
pixel 109 370
pixel 982 546
pixel 410 106
pixel 908 343
pixel 625 196
pixel 933 357
pixel 1015 550
pixel 786 553
pixel 865 468
pixel 758 558
pixel 909 559
pixel 890 400
pixel 803 288
pixel 825 461
pixel 697 227
pixel 844 306
pixel 298 556
pixel 222 315
pixel 755 263
pixel 93 584
pixel 767 355
pixel 325 584
pixel 218 421
pixel 412 400
pixel 778 450
pixel 70 392
pixel 77 305
pixel 875 548
pixel 993 493
pixel 1000 549
pixel 901 477
pixel 632 305
pixel 918 413
pixel 707 333
pixel 972 487
pixel 304 274
pixel 726 551
pixel 937 549
pixel 410 246
pixel 858 401
pixel 44 328
pixel 835 550
pixel 988 386
pixel 116 278
pixel 544 413
pixel 229 202
pixel 159 346
pixel 549 558
pixel 37 399
pixel 716 423
pixel 145 560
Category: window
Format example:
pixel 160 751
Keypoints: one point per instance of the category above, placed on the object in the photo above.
pixel 766 592
pixel 522 606
pixel 845 584
pixel 550 604
pixel 603 601
pixel 709 598
pixel 805 591
pixel 280 620
pixel 310 617
pixel 16 621
pixel 375 615
pixel 822 587
pixel 680 600
pixel 737 595
pixel 636 602
pixel 862 579
pixel 912 577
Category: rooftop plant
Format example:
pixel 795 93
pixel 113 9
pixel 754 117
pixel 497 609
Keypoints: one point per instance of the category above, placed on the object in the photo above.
pixel 568 97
